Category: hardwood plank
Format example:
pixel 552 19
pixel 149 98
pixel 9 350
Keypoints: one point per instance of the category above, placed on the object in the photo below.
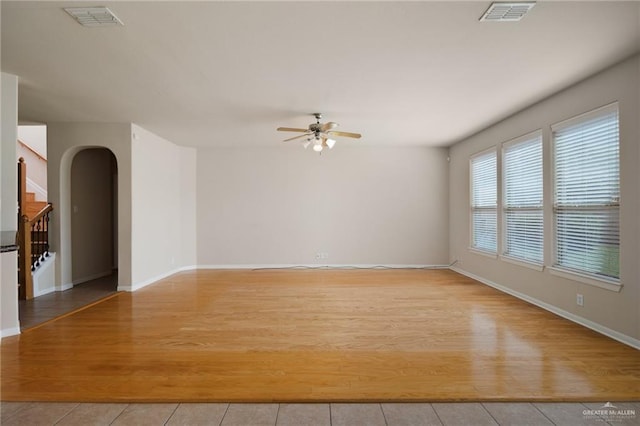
pixel 316 335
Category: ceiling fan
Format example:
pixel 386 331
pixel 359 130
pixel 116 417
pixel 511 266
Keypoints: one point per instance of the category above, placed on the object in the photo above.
pixel 319 134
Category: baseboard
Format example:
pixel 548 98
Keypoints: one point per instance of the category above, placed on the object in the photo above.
pixel 139 285
pixel 186 268
pixel 9 332
pixel 64 287
pixel 321 266
pixel 43 292
pixel 615 335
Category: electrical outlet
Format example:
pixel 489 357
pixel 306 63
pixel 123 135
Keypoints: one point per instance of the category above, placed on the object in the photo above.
pixel 322 255
pixel 579 299
pixel 318 255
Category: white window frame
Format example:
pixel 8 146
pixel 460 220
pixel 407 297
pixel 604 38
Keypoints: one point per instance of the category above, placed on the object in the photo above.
pixel 479 250
pixel 536 135
pixel 609 283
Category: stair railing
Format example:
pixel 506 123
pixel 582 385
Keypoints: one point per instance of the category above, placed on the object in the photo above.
pixel 33 237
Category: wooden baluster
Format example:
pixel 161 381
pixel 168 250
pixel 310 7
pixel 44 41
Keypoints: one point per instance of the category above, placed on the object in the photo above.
pixel 34 247
pixel 43 239
pixel 36 244
pixel 40 240
pixel 46 235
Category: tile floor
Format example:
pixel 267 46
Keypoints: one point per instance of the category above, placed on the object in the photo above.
pixel 44 308
pixel 463 414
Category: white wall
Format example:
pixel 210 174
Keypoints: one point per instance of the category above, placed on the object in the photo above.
pixel 163 205
pixel 36 172
pixel 9 323
pixel 8 170
pixel 616 311
pixel 280 206
pixel 35 136
pixel 35 156
pixel 188 208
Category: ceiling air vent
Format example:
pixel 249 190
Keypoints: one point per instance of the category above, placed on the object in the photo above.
pixel 507 12
pixel 94 16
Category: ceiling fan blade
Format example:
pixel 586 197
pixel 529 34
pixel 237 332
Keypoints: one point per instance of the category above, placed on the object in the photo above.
pixel 345 134
pixel 297 137
pixel 291 129
pixel 328 126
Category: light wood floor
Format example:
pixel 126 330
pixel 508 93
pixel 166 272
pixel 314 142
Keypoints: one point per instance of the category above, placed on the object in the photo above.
pixel 316 335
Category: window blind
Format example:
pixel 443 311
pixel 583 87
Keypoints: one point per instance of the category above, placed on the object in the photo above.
pixel 587 193
pixel 523 186
pixel 484 201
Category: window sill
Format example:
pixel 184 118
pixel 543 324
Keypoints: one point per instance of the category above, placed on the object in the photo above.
pixel 535 266
pixel 586 279
pixel 483 253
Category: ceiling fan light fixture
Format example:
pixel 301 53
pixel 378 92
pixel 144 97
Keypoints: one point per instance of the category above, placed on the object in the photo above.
pixel 319 134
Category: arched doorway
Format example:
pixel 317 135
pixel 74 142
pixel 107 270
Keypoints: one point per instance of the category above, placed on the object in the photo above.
pixel 94 186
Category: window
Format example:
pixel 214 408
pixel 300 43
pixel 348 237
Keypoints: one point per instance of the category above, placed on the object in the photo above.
pixel 484 201
pixel 587 193
pixel 523 219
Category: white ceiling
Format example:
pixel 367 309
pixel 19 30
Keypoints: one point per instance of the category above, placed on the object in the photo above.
pixel 229 73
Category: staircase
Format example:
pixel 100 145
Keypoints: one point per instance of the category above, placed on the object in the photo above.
pixel 33 233
pixel 33 207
